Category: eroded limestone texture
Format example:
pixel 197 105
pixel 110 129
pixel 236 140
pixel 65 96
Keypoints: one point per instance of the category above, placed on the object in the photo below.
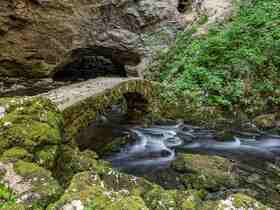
pixel 38 36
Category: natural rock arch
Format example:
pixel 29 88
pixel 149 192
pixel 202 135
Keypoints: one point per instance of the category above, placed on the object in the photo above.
pixel 95 61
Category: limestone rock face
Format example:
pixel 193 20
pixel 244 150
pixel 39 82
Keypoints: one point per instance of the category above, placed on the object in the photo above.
pixel 37 36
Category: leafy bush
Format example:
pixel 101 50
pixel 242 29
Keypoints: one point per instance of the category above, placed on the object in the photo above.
pixel 6 197
pixel 236 66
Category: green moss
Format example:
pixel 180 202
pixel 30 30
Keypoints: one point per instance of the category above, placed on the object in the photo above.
pixel 118 181
pixel 16 207
pixel 27 169
pixel 41 182
pixel 72 161
pixel 15 154
pixel 29 123
pixel 235 201
pixel 192 201
pixel 206 172
pixel 159 199
pixel 84 187
pixel 46 156
pixel 115 146
pixel 128 203
pixel 40 69
pixel 244 201
pixel 93 193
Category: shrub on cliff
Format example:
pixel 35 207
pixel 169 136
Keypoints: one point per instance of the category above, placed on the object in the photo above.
pixel 234 67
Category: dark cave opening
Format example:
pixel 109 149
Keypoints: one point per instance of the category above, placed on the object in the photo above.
pixel 93 62
pixel 184 5
pixel 89 67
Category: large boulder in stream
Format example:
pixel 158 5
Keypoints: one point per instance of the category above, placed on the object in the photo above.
pixel 267 121
pixel 211 173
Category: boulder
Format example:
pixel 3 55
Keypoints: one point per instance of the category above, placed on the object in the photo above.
pixel 206 172
pixel 30 124
pixel 87 190
pixel 72 161
pixel 235 201
pixel 266 121
pixel 29 184
pixel 159 199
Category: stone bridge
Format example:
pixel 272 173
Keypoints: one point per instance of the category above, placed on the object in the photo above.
pixel 80 103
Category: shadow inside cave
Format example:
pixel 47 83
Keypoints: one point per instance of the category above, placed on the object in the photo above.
pixel 93 62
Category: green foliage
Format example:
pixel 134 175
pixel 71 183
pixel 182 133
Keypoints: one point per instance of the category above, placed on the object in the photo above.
pixel 6 197
pixel 236 65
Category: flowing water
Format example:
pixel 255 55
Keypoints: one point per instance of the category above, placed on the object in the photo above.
pixel 154 148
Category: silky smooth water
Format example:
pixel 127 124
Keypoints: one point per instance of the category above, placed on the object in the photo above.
pixel 155 147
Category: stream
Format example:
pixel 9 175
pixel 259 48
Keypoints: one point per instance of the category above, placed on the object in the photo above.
pixel 155 147
pixel 149 151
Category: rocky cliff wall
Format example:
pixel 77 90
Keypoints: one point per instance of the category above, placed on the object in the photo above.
pixel 39 36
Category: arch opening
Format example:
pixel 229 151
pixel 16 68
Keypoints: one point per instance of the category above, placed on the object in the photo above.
pixel 110 124
pixel 184 5
pixel 88 63
pixel 137 106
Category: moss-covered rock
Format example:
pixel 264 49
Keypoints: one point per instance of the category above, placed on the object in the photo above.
pixel 18 206
pixel 206 172
pixel 16 153
pixel 46 156
pixel 89 191
pixel 118 181
pixel 127 203
pixel 236 201
pixel 30 184
pixel 263 182
pixel 266 121
pixel 71 161
pixel 159 199
pixel 115 146
pixel 29 123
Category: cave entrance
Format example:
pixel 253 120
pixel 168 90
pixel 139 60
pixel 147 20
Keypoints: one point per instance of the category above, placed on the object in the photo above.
pixel 88 67
pixel 184 5
pixel 88 63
